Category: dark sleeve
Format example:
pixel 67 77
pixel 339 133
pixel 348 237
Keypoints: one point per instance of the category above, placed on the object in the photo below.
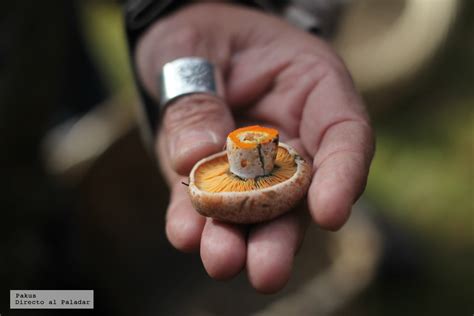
pixel 138 15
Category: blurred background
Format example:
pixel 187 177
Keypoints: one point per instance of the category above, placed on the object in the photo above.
pixel 82 203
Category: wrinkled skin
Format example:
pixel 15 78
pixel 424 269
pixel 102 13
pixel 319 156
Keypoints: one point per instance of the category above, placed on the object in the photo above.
pixel 275 75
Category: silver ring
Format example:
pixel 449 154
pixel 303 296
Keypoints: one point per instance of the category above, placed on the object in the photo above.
pixel 188 75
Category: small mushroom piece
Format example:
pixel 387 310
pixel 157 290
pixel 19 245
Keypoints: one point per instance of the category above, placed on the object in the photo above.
pixel 256 179
pixel 251 151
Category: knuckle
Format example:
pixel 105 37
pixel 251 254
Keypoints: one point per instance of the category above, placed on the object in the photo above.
pixel 193 110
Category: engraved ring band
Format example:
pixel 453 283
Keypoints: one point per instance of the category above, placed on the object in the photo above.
pixel 188 75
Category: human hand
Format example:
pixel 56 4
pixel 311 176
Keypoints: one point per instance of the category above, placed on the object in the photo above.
pixel 275 75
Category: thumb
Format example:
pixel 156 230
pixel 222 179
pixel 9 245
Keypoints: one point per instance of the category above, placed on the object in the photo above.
pixel 194 127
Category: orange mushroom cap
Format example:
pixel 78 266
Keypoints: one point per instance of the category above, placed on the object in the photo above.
pixel 262 135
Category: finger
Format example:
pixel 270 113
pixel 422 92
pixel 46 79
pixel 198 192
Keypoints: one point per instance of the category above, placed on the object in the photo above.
pixel 252 74
pixel 291 81
pixel 174 38
pixel 311 97
pixel 223 249
pixel 184 225
pixel 279 85
pixel 194 127
pixel 337 184
pixel 335 130
pixel 271 249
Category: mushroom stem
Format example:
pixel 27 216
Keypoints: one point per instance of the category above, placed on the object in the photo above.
pixel 251 151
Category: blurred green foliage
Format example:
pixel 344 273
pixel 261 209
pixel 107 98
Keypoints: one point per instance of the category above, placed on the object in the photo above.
pixel 103 28
pixel 423 171
pixel 422 178
pixel 423 168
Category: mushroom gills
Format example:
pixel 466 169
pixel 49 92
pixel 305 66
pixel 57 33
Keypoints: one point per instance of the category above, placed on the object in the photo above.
pixel 215 176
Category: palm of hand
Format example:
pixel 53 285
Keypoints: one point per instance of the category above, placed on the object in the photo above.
pixel 276 76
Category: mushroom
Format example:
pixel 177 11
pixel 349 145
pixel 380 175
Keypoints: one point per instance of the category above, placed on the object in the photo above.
pixel 255 179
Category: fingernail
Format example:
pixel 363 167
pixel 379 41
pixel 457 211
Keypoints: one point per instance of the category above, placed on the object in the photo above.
pixel 188 140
